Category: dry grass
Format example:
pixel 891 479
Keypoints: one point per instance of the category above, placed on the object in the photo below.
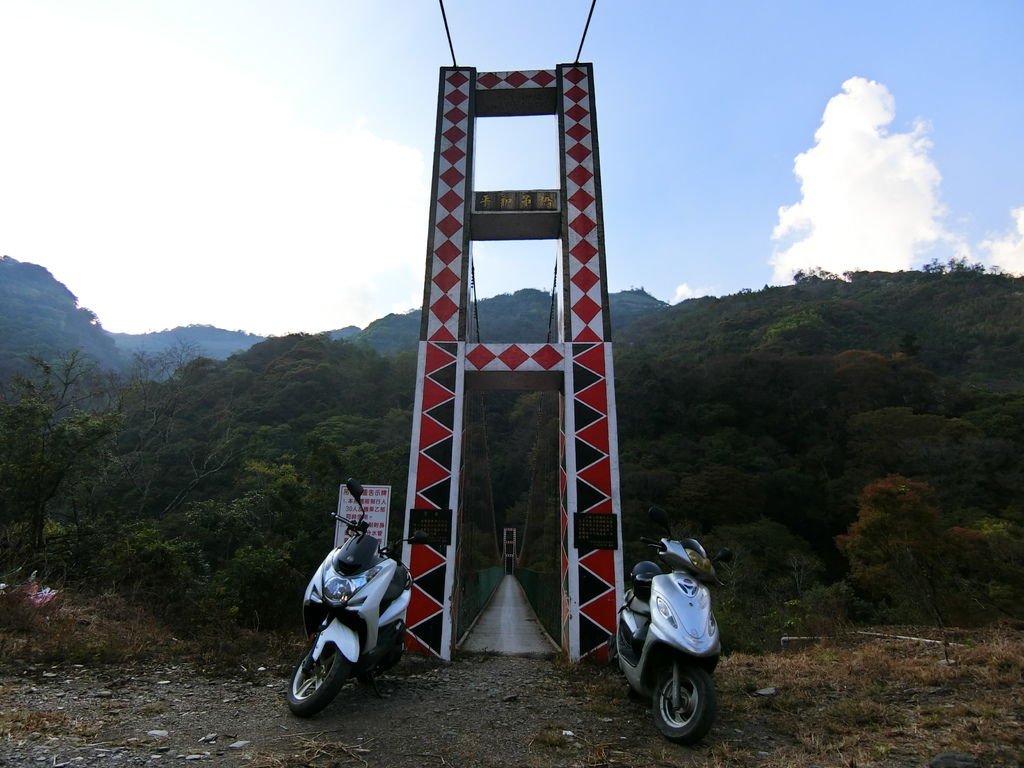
pixel 877 703
pixel 104 629
pixel 100 629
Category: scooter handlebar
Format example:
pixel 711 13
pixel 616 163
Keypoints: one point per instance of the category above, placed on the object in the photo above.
pixel 362 526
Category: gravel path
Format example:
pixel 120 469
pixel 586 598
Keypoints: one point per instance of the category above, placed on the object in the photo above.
pixel 494 711
pixel 480 711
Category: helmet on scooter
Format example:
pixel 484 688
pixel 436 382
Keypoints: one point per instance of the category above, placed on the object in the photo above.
pixel 641 576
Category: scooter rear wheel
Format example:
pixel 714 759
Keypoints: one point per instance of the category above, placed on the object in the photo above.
pixel 315 684
pixel 698 704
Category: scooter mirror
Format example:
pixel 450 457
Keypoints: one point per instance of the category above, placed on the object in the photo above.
pixel 356 490
pixel 724 556
pixel 660 516
pixel 419 537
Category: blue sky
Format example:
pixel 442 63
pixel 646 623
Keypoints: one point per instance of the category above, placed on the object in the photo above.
pixel 263 165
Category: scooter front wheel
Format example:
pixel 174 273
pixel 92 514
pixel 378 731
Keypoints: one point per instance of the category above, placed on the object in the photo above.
pixel 692 719
pixel 314 684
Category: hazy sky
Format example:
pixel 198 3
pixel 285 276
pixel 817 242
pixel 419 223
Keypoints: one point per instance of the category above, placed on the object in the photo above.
pixel 264 164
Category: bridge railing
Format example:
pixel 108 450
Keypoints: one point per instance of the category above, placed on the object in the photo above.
pixel 544 593
pixel 474 592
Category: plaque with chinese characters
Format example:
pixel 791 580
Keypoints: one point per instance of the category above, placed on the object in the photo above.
pixel 596 531
pixel 516 201
pixel 435 523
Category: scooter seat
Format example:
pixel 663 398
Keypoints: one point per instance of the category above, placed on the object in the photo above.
pixel 638 606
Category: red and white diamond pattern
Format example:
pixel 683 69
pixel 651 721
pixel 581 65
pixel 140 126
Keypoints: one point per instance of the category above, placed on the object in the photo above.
pixel 449 218
pixel 591 578
pixel 586 321
pixel 513 357
pixel 436 422
pixel 528 78
pixel 599 568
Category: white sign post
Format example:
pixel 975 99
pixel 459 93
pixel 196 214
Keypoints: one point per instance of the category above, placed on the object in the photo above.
pixel 376 502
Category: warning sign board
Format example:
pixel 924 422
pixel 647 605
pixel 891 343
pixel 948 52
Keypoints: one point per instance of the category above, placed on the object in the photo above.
pixel 376 503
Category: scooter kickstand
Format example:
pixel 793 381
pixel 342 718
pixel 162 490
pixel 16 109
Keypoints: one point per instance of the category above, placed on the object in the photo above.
pixel 369 678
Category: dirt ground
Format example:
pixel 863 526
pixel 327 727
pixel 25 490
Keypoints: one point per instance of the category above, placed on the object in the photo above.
pixel 501 711
pixel 480 710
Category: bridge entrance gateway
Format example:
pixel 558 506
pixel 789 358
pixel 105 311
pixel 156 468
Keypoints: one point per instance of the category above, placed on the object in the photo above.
pixel 578 365
pixel 509 550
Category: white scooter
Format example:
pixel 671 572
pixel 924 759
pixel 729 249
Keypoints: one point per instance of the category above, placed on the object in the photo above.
pixel 354 615
pixel 667 643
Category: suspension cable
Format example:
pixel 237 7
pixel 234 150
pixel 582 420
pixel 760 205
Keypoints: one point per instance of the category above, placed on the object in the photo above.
pixel 472 291
pixel 551 312
pixel 585 28
pixel 447 31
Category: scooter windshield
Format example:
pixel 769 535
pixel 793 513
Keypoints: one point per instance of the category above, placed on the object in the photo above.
pixel 357 554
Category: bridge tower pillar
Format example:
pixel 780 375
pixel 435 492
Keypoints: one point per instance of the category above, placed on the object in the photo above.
pixel 578 366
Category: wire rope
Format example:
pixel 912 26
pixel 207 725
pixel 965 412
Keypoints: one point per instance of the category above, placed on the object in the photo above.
pixel 476 311
pixel 444 17
pixel 551 312
pixel 585 28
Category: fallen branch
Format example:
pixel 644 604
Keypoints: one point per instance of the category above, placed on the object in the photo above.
pixel 907 637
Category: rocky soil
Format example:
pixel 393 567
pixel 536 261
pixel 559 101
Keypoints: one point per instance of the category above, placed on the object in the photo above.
pixel 487 711
pixel 477 711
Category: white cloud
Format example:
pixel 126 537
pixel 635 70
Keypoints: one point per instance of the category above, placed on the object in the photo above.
pixel 684 291
pixel 869 197
pixel 1007 252
pixel 164 188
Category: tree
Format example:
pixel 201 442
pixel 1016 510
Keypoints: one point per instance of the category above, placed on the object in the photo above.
pixel 897 548
pixel 54 428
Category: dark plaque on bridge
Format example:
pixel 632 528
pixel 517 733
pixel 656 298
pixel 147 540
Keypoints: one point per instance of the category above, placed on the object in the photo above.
pixel 596 531
pixel 436 523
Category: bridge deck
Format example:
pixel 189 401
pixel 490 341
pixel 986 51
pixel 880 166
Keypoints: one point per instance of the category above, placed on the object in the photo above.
pixel 508 626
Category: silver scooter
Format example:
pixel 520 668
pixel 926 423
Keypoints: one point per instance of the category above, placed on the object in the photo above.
pixel 667 642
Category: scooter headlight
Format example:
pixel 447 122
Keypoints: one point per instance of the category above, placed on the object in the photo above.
pixel 666 611
pixel 701 563
pixel 338 589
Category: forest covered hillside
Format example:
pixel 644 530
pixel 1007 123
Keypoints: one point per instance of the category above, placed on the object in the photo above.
pixel 40 317
pixel 858 442
pixel 957 320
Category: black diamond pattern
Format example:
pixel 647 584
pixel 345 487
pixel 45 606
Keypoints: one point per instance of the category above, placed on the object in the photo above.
pixel 433 583
pixel 445 377
pixel 590 586
pixel 438 494
pixel 429 631
pixel 444 414
pixel 587 496
pixel 583 377
pixel 586 455
pixel 592 636
pixel 585 415
pixel 441 452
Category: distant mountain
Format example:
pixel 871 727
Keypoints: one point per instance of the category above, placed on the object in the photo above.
pixel 204 340
pixel 344 333
pixel 522 316
pixel 40 317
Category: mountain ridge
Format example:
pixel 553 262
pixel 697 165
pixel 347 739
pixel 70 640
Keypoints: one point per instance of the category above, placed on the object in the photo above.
pixel 41 317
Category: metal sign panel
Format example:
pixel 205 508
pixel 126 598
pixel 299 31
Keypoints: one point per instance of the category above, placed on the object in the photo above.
pixel 376 503
pixel 436 524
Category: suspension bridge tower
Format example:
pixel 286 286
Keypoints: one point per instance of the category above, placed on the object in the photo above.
pixel 578 365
